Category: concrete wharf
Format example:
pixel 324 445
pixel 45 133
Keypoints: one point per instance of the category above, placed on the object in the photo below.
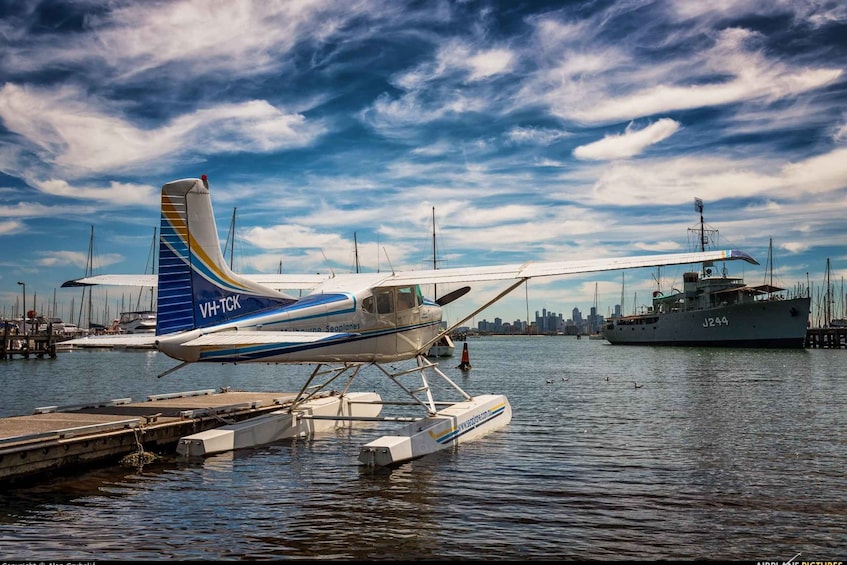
pixel 57 439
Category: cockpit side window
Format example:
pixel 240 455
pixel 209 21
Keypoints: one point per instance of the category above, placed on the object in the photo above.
pixel 406 298
pixel 368 304
pixel 384 302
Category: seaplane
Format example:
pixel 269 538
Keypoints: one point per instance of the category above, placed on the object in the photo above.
pixel 206 313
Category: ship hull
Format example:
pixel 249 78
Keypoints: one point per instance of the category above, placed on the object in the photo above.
pixel 762 324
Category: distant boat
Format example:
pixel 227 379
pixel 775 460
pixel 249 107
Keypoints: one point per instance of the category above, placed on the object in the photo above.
pixel 444 347
pixel 595 329
pixel 137 322
pixel 715 310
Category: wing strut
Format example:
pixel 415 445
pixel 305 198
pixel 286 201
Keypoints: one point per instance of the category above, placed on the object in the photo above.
pixel 429 344
pixel 173 369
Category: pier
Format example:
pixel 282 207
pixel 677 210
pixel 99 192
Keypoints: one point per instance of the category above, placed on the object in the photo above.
pixel 66 438
pixel 826 338
pixel 38 344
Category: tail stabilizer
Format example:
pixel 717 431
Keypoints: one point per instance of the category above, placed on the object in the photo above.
pixel 196 288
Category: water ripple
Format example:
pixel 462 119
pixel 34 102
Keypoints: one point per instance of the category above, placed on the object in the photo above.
pixel 719 455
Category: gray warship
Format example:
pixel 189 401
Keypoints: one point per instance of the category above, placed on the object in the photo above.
pixel 716 310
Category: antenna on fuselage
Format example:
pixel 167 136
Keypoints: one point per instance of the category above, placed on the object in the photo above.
pixel 387 258
pixel 327 263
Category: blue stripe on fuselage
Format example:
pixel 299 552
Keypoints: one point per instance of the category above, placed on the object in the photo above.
pixel 261 351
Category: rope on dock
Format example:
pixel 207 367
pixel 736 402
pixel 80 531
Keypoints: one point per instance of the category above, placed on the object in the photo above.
pixel 140 457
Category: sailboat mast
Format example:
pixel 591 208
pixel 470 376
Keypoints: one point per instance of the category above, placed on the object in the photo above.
pixel 622 291
pixel 356 251
pixel 434 259
pixel 770 267
pixel 231 237
pixel 151 263
pixel 827 314
pixel 155 261
pixel 594 313
pixel 88 269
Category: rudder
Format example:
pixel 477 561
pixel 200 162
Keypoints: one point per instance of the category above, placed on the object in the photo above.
pixel 196 287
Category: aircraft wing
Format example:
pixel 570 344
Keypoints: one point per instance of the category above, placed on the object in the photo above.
pixel 449 275
pixel 292 281
pixel 114 280
pixel 125 340
pixel 224 338
pixel 544 269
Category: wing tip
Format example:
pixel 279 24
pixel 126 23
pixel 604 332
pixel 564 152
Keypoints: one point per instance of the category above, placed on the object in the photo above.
pixel 74 283
pixel 736 254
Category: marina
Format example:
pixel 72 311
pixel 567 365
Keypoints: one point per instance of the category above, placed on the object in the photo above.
pixel 282 396
pixel 733 454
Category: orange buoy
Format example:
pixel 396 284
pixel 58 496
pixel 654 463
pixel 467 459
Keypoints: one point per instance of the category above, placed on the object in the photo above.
pixel 465 365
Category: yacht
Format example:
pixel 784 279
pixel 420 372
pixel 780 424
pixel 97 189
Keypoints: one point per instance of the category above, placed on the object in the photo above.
pixel 137 322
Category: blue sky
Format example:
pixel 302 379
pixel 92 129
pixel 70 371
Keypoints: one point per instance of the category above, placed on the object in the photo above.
pixel 538 131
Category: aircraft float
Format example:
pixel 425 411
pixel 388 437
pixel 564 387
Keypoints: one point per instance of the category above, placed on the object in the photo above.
pixel 206 313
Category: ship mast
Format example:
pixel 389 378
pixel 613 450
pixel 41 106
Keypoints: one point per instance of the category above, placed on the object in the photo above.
pixel 704 236
pixel 698 205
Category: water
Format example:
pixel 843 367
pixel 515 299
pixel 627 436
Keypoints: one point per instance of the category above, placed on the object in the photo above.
pixel 721 454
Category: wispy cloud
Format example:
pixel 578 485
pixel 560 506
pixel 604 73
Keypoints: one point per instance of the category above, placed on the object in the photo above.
pixel 632 142
pixel 542 132
pixel 77 136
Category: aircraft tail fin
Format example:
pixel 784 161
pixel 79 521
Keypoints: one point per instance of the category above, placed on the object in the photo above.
pixel 196 288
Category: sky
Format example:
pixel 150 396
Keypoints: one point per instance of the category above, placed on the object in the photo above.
pixel 333 130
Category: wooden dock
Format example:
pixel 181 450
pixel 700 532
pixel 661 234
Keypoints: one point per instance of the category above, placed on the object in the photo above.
pixel 826 338
pixel 56 439
pixel 38 344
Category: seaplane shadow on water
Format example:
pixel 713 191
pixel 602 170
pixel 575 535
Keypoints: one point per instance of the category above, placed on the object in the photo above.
pixel 206 313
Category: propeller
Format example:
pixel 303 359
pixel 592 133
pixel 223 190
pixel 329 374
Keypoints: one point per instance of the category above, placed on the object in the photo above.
pixel 451 296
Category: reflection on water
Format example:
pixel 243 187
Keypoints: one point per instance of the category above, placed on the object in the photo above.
pixel 728 454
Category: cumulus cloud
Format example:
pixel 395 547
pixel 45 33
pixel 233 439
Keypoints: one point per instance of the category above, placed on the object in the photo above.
pixel 632 142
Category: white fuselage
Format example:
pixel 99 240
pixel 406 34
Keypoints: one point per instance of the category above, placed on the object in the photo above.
pixel 383 324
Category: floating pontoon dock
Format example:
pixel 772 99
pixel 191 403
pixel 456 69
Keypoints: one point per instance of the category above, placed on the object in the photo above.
pixel 60 438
